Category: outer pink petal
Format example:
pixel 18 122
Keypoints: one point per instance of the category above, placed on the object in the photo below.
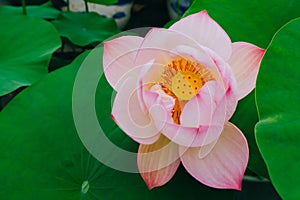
pixel 129 116
pixel 224 165
pixel 245 61
pixel 206 32
pixel 118 58
pixel 158 162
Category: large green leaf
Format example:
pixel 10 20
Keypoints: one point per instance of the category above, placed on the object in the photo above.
pixel 245 117
pixel 42 156
pixel 85 28
pixel 278 97
pixel 26 47
pixel 45 11
pixel 249 20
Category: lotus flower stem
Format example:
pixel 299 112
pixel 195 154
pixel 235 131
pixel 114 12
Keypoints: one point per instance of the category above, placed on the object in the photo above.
pixel 24 7
pixel 86 6
pixel 68 5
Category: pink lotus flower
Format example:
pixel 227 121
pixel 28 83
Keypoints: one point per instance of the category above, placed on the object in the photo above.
pixel 176 90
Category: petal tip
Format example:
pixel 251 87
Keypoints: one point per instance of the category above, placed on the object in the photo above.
pixel 112 116
pixel 150 186
pixel 150 182
pixel 238 186
pixel 204 12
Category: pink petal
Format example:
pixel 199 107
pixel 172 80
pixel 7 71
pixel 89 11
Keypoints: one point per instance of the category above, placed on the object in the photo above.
pixel 228 79
pixel 225 164
pixel 202 56
pixel 189 136
pixel 199 110
pixel 158 162
pixel 118 58
pixel 206 32
pixel 143 72
pixel 157 109
pixel 129 116
pixel 161 44
pixel 245 61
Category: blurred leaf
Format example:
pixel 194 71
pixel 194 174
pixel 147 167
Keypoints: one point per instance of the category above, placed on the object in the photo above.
pixel 246 117
pixel 85 28
pixel 26 47
pixel 104 2
pixel 42 156
pixel 278 97
pixel 250 21
pixel 45 11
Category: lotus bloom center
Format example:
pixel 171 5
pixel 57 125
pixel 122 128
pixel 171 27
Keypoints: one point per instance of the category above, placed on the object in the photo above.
pixel 182 79
pixel 186 85
pixel 187 77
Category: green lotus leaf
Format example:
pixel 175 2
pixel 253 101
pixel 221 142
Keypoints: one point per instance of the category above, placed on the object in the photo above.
pixel 26 46
pixel 43 157
pixel 278 97
pixel 85 28
pixel 45 11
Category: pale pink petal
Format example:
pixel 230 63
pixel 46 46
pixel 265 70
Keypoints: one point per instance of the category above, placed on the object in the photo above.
pixel 118 58
pixel 245 61
pixel 158 162
pixel 149 140
pixel 194 137
pixel 153 73
pixel 144 70
pixel 203 29
pixel 204 150
pixel 222 73
pixel 199 110
pixel 191 137
pixel 201 55
pixel 225 164
pixel 228 80
pixel 130 118
pixel 160 45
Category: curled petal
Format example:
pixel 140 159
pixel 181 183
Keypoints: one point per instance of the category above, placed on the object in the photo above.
pixel 206 32
pixel 245 61
pixel 229 82
pixel 118 58
pixel 220 165
pixel 144 71
pixel 158 162
pixel 202 56
pixel 129 116
pixel 185 135
pixel 199 110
